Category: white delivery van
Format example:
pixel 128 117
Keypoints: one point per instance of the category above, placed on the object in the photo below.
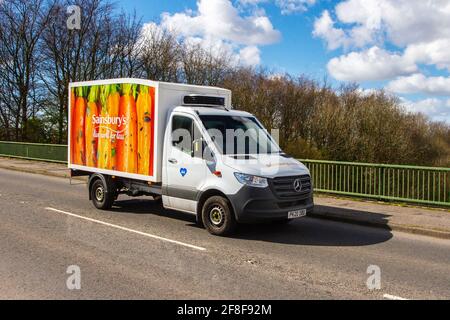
pixel 185 146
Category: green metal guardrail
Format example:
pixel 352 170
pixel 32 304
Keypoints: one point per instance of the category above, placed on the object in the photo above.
pixel 34 151
pixel 424 185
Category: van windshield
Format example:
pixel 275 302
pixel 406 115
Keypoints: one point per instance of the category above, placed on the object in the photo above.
pixel 237 135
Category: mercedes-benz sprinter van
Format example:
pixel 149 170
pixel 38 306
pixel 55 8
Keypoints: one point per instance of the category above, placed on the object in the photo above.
pixel 186 146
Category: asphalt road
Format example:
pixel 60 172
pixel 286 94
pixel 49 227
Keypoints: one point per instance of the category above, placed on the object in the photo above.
pixel 139 250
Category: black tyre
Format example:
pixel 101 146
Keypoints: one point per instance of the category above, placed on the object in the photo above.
pixel 218 217
pixel 101 197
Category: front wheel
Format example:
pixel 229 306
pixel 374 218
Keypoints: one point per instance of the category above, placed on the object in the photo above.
pixel 217 216
pixel 101 198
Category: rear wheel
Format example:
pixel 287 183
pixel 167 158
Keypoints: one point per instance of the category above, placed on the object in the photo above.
pixel 217 216
pixel 102 196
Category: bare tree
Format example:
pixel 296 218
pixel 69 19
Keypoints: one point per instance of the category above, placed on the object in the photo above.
pixel 22 24
pixel 127 46
pixel 76 55
pixel 159 54
pixel 204 66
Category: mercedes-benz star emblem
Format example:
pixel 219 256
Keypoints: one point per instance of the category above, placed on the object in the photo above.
pixel 298 185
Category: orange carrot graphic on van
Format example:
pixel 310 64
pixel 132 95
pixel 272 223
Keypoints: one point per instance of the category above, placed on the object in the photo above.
pixel 112 127
pixel 144 115
pixel 79 152
pixel 127 142
pixel 91 129
pixel 107 140
pixel 72 124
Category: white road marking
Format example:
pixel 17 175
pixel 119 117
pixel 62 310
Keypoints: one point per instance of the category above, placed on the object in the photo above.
pixel 128 230
pixel 391 297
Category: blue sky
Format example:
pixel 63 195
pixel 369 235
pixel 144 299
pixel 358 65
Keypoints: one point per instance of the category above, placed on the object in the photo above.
pixel 399 45
pixel 297 51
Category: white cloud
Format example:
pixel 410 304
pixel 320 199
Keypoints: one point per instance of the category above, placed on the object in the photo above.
pixel 432 53
pixel 250 56
pixel 324 28
pixel 286 6
pixel 369 65
pixel 363 27
pixel 246 56
pixel 294 6
pixel 221 27
pixel 418 30
pixel 437 109
pixel 216 47
pixel 402 22
pixel 368 92
pixel 419 83
pixel 219 19
pixel 252 2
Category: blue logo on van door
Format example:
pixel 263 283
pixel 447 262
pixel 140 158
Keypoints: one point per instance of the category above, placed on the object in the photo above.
pixel 183 172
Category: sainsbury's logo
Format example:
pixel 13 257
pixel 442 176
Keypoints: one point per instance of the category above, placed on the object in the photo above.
pixel 108 120
pixel 108 127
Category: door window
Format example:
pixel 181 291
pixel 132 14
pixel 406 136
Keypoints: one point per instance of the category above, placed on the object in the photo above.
pixel 186 136
pixel 182 133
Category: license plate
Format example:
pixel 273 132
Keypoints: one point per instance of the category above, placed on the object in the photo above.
pixel 297 214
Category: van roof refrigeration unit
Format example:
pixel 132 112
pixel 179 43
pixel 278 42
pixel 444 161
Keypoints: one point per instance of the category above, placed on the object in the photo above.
pixel 204 101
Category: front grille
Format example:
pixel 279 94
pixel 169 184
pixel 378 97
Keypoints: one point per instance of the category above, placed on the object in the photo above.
pixel 283 187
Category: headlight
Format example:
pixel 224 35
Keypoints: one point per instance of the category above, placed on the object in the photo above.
pixel 252 181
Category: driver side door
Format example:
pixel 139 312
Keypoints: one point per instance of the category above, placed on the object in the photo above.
pixel 186 170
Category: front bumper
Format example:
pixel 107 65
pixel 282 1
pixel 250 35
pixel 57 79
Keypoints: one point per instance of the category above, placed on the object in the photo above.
pixel 255 204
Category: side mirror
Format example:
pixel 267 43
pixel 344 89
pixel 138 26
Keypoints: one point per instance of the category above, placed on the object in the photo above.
pixel 197 148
